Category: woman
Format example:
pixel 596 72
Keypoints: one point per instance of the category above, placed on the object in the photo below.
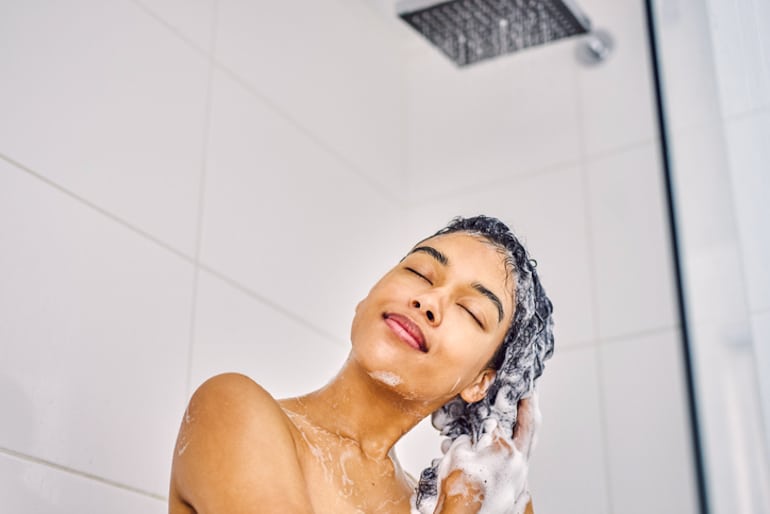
pixel 458 329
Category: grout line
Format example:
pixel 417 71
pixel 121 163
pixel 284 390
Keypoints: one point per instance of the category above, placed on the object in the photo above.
pixel 195 259
pixel 81 474
pixel 201 197
pixel 175 31
pixel 720 119
pixel 618 150
pixel 604 427
pixel 405 125
pixel 406 153
pixel 576 346
pixel 191 331
pixel 536 172
pixel 349 165
pixel 269 303
pixel 344 160
pixel 272 105
pixel 750 113
pixel 97 208
pixel 495 182
pixel 594 296
pixel 199 265
pixel 611 340
pixel 617 339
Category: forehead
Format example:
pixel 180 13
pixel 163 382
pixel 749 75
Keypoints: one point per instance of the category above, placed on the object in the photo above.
pixel 467 242
pixel 475 257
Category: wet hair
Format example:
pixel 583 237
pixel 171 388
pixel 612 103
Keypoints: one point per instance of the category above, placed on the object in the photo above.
pixel 518 361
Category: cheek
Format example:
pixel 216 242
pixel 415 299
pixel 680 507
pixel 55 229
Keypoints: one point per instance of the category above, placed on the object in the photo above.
pixel 470 354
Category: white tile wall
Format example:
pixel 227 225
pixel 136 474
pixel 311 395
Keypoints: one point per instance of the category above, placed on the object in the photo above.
pixel 749 160
pixel 105 101
pixel 548 211
pixel 193 19
pixel 633 261
pixel 94 324
pixel 567 471
pixel 648 432
pixel 235 332
pixel 616 96
pixel 288 219
pixel 314 110
pixel 491 121
pixel 28 487
pixel 334 67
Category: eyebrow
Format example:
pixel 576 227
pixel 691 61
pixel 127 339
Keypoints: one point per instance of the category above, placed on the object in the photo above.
pixel 493 297
pixel 441 258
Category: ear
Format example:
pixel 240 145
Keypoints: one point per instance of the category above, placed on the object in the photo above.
pixel 479 386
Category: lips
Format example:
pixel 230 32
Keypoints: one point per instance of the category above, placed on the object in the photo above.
pixel 406 330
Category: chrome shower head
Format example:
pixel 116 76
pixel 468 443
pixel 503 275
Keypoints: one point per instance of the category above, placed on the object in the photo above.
pixel 468 31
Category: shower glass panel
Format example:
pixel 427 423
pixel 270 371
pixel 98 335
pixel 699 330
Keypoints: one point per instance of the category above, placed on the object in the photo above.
pixel 713 61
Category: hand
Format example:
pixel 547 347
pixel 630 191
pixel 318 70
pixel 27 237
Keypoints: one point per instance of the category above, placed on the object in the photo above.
pixel 491 475
pixel 528 421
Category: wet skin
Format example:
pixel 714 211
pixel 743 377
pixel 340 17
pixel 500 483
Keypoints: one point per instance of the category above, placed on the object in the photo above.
pixel 422 335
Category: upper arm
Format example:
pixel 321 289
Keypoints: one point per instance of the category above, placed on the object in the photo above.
pixel 235 452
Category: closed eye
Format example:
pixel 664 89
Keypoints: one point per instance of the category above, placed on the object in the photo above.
pixel 478 322
pixel 420 275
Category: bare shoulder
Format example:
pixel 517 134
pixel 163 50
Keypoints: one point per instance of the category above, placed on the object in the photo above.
pixel 235 452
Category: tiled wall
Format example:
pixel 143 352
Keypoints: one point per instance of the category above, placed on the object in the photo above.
pixel 173 174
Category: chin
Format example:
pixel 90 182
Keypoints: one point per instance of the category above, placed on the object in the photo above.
pixel 374 352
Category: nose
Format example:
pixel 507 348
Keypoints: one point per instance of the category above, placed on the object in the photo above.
pixel 429 307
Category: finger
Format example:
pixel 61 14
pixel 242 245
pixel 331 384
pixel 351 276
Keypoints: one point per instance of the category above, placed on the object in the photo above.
pixel 522 431
pixel 522 504
pixel 527 421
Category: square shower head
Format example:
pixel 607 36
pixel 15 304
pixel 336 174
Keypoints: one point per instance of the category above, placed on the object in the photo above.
pixel 468 31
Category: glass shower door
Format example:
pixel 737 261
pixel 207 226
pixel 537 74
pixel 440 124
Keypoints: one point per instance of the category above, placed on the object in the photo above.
pixel 713 63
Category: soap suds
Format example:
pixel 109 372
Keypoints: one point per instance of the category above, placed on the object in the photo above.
pixel 386 377
pixel 493 465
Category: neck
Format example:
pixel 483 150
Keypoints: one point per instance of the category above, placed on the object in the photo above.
pixel 361 408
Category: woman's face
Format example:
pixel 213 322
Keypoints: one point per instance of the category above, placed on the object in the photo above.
pixel 432 323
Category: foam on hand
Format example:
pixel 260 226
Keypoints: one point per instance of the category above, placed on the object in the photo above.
pixel 493 465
